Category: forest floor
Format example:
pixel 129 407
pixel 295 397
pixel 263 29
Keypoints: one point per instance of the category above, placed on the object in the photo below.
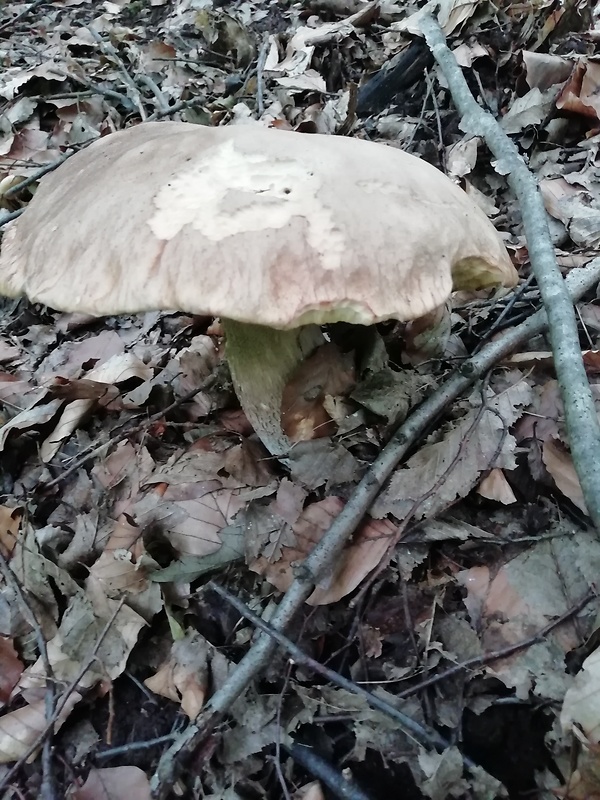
pixel 126 489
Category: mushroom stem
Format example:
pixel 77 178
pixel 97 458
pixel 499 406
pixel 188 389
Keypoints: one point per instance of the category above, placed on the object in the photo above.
pixel 261 361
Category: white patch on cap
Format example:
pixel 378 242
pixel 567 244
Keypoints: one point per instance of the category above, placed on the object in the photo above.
pixel 227 192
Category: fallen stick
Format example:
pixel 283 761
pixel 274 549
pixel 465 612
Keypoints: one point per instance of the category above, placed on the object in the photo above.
pixel 428 737
pixel 316 565
pixel 583 428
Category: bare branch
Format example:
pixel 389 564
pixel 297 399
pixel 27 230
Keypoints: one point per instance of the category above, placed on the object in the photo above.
pixel 580 414
pixel 324 554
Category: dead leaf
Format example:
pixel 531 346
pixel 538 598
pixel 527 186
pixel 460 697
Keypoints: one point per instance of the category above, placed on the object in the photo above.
pixel 20 729
pixel 581 705
pixel 509 603
pixel 495 487
pixel 10 524
pixel 580 93
pixel 559 464
pixel 310 791
pixel 11 668
pixel 450 467
pixel 184 678
pixel 326 373
pixel 113 783
pixel 366 550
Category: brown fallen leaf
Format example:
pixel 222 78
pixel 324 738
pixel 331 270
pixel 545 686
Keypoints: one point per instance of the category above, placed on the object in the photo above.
pixel 10 524
pixel 580 94
pixel 20 729
pixel 326 373
pixel 118 569
pixel 11 668
pixel 113 783
pixel 559 464
pixel 184 678
pixel 495 487
pixel 365 552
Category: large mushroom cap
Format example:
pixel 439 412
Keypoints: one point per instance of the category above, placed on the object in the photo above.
pixel 250 223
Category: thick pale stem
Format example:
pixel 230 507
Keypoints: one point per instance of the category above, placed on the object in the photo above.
pixel 262 361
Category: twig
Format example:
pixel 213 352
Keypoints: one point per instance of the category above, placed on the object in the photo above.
pixel 336 782
pixel 22 14
pixel 580 414
pixel 126 749
pixel 116 97
pixel 260 78
pixel 129 431
pixel 109 50
pixel 161 102
pixel 9 216
pixel 277 759
pixel 428 737
pixel 496 655
pixel 39 173
pixel 47 789
pixel 61 702
pixel 324 554
pixel 174 109
pixel 513 300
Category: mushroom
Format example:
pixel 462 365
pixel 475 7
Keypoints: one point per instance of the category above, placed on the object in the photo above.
pixel 275 232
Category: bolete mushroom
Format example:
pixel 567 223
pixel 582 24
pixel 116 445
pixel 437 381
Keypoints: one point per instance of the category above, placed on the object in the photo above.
pixel 275 232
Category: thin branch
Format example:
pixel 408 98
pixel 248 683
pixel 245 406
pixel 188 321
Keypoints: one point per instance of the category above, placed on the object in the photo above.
pixel 580 414
pixel 428 737
pixel 9 216
pixel 130 430
pixel 260 78
pixel 39 173
pixel 324 554
pixel 109 50
pixel 22 14
pixel 61 701
pixel 131 747
pixel 47 788
pixel 496 655
pixel 336 782
pixel 161 101
pixel 176 108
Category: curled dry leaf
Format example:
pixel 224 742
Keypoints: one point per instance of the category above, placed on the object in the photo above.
pixel 29 418
pixel 326 373
pixel 113 783
pixel 495 487
pixel 580 94
pixel 117 369
pixel 368 547
pixel 184 678
pixel 122 569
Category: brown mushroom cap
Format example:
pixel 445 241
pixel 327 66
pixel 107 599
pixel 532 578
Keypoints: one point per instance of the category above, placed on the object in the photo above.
pixel 255 224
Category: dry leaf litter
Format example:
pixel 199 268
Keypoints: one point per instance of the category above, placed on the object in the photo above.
pixel 122 491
